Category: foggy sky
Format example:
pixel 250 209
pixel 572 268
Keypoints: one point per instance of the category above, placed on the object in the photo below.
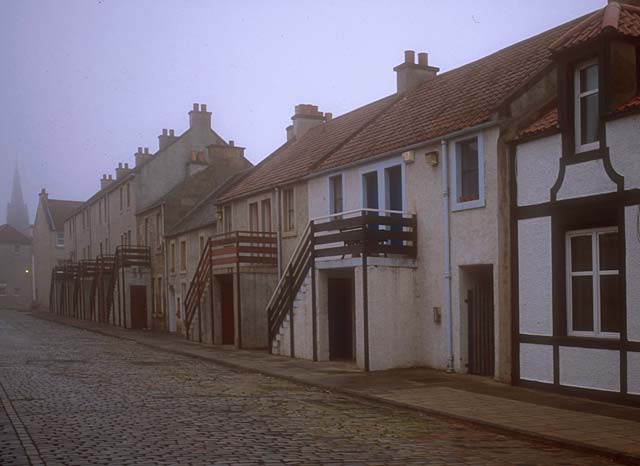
pixel 84 83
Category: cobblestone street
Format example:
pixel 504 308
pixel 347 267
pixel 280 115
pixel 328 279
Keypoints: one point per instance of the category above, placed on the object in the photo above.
pixel 74 397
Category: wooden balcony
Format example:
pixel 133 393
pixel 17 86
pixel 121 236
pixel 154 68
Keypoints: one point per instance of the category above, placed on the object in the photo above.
pixel 243 248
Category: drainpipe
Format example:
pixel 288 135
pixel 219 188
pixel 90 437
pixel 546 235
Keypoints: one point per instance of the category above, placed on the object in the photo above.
pixel 165 307
pixel 278 233
pixel 447 252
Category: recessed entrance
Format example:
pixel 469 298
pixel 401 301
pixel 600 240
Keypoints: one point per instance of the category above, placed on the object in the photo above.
pixel 341 328
pixel 478 294
pixel 138 305
pixel 226 309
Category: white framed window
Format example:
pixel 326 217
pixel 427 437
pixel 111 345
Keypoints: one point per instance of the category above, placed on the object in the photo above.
pixel 253 216
pixel 383 185
pixel 586 110
pixel 594 306
pixel 288 210
pixel 468 173
pixel 336 194
pixel 183 255
pixel 60 238
pixel 265 213
pixel 3 289
pixel 228 219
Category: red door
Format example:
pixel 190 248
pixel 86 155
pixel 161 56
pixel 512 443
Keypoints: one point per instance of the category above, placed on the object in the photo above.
pixel 226 302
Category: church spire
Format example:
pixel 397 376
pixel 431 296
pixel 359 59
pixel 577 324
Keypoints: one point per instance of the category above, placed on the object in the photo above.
pixel 17 213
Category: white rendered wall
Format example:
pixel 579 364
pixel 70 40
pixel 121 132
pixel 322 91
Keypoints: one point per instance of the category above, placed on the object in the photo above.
pixel 537 162
pixel 633 372
pixel 536 362
pixel 535 284
pixel 590 368
pixel 623 139
pixel 585 179
pixel 633 271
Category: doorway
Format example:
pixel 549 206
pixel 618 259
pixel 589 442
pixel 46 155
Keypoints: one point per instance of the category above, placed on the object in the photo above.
pixel 172 309
pixel 341 319
pixel 478 295
pixel 226 309
pixel 138 305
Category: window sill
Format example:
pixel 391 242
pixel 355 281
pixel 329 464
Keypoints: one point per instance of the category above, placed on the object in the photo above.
pixel 476 204
pixel 598 336
pixel 289 234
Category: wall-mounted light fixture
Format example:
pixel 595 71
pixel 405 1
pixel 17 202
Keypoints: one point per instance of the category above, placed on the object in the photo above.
pixel 432 158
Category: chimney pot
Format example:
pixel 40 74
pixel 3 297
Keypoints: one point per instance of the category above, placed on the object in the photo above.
pixel 120 165
pixel 328 116
pixel 146 150
pixel 423 59
pixel 164 131
pixel 171 133
pixel 43 192
pixel 195 108
pixel 126 166
pixel 139 150
pixel 203 107
pixel 409 56
pixel 232 143
pixel 110 177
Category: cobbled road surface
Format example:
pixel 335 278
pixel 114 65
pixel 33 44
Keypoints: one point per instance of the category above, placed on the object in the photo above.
pixel 72 397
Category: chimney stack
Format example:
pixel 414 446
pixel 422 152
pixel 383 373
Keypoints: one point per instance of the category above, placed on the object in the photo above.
pixel 409 73
pixel 306 116
pixel 199 117
pixel 105 181
pixel 122 170
pixel 43 194
pixel 166 138
pixel 142 156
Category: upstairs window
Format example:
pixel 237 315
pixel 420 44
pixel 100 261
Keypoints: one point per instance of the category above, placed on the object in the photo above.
pixel 253 216
pixel 265 206
pixel 128 195
pixel 288 212
pixel 183 256
pixel 468 180
pixel 121 198
pixel 172 257
pixel 587 113
pixel 594 305
pixel 16 248
pixel 228 221
pixel 335 195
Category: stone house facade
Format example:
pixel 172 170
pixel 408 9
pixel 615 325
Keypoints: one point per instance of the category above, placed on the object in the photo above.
pixel 16 284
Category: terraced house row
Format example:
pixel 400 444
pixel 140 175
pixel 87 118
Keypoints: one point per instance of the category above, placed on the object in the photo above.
pixel 482 220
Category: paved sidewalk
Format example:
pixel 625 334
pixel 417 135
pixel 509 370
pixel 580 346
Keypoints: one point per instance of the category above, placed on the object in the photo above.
pixel 604 428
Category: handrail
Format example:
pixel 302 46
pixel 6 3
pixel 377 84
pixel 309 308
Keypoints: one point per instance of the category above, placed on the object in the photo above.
pixel 364 209
pixel 289 262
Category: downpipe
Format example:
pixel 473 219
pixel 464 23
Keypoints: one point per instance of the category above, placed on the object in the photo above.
pixel 447 252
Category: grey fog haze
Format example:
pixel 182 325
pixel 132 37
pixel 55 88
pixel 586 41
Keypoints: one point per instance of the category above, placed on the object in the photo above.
pixel 84 83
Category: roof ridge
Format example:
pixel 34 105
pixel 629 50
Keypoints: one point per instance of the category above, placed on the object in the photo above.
pixel 611 16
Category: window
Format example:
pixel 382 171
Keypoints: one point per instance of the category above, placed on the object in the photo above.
pixel 183 256
pixel 593 283
pixel 121 199
pixel 128 195
pixel 266 214
pixel 335 195
pixel 468 179
pixel 587 114
pixel 158 232
pixel 3 289
pixel 228 221
pixel 60 239
pixel 253 216
pixel 146 231
pixel 128 237
pixel 288 212
pixel 100 212
pixel 16 248
pixel 172 257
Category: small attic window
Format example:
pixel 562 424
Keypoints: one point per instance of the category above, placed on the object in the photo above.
pixel 587 112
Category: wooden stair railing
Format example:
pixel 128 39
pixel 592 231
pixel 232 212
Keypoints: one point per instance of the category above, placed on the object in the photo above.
pixel 197 286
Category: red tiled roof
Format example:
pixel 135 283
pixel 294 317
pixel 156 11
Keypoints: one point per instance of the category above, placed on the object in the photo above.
pixel 458 99
pixel 8 234
pixel 549 120
pixel 546 122
pixel 633 103
pixel 622 18
pixel 294 159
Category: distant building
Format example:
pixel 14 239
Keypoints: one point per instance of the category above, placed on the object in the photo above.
pixel 15 269
pixel 17 212
pixel 48 242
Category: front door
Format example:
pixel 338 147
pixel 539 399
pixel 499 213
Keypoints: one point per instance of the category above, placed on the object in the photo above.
pixel 480 321
pixel 138 303
pixel 226 306
pixel 341 339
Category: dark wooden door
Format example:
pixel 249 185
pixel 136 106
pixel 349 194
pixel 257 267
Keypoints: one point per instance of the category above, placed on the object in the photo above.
pixel 226 307
pixel 340 319
pixel 481 335
pixel 138 306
